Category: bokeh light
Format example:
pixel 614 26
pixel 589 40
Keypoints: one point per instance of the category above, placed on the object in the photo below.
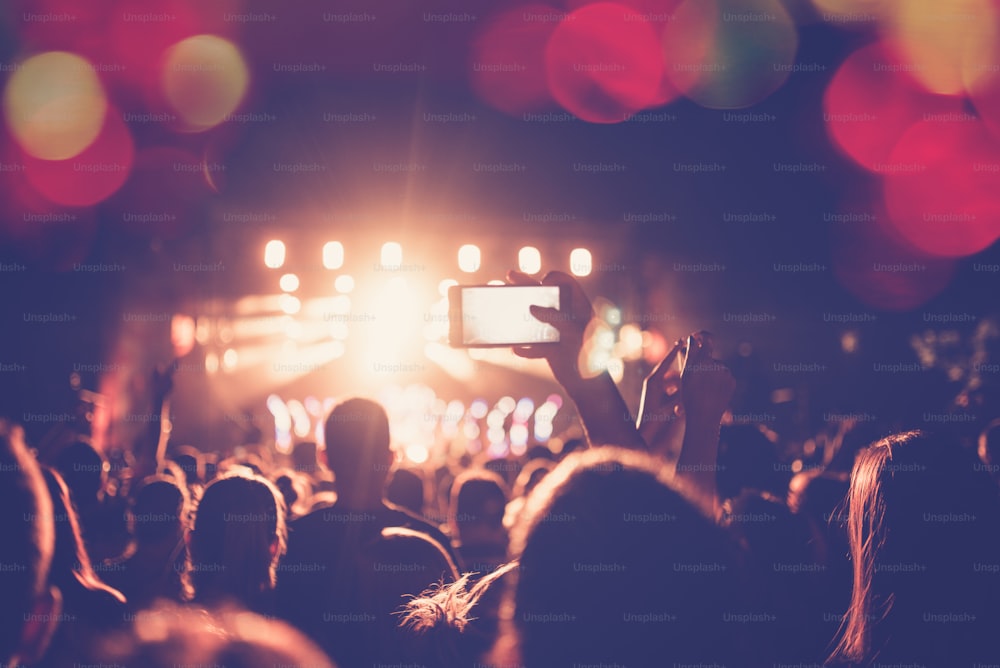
pixel 289 282
pixel 946 43
pixel 507 68
pixel 55 105
pixel 391 255
pixel 92 175
pixel 580 262
pixel 944 193
pixel 333 255
pixel 728 54
pixel 872 100
pixel 469 258
pixel 274 254
pixel 603 63
pixel 204 79
pixel 529 260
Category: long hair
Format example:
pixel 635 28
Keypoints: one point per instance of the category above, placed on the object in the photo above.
pixel 71 564
pixel 238 520
pixel 921 516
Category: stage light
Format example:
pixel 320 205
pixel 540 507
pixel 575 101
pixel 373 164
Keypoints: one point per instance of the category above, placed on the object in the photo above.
pixel 392 255
pixel 543 430
pixel 54 105
pixel 529 260
pixel 289 304
pixel 274 254
pixel 333 255
pixel 580 262
pixel 518 438
pixel 478 409
pixel 444 285
pixel 289 282
pixel 416 453
pixel 506 405
pixel 525 407
pixel 344 283
pixel 469 258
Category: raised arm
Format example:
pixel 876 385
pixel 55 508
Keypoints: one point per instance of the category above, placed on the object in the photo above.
pixel 707 385
pixel 606 419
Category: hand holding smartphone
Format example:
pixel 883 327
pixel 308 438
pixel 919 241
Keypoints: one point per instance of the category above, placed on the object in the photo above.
pixel 499 316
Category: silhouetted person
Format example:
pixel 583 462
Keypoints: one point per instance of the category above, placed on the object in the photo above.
pixel 475 518
pixel 236 543
pixel 153 565
pixel 406 490
pixel 923 521
pixel 324 544
pixel 89 606
pixel 85 472
pixel 618 567
pixel 29 606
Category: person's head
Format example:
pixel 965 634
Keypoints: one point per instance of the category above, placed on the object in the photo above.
pixel 921 515
pixel 530 476
pixel 618 566
pixel 70 561
pixel 238 538
pixel 295 490
pixel 159 513
pixel 192 462
pixel 478 501
pixel 85 471
pixel 406 489
pixel 28 607
pixel 167 636
pixel 357 450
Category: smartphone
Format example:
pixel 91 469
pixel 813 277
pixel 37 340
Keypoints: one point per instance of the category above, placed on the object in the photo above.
pixel 495 316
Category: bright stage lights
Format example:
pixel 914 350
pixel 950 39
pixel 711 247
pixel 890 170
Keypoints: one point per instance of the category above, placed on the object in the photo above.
pixel 529 260
pixel 580 262
pixel 445 285
pixel 289 304
pixel 274 254
pixel 333 255
pixel 289 282
pixel 391 256
pixel 344 283
pixel 469 258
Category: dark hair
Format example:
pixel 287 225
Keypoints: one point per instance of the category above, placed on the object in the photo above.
pixel 70 561
pixel 921 515
pixel 84 470
pixel 357 446
pixel 604 538
pixel 477 497
pixel 27 536
pixel 237 521
pixel 406 488
pixel 160 510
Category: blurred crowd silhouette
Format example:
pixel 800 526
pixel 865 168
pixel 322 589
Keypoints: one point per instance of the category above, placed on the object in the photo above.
pixel 668 539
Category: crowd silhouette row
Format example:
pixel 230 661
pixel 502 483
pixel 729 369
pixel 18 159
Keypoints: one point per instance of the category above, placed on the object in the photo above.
pixel 658 541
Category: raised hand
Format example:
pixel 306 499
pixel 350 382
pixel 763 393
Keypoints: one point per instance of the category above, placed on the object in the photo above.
pixel 660 420
pixel 564 357
pixel 606 418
